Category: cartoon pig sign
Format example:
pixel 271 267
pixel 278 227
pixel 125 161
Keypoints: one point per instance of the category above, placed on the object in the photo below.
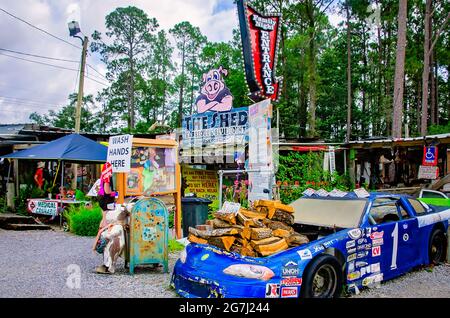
pixel 214 95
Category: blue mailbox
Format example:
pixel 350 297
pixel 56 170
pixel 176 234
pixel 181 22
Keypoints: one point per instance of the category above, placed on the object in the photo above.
pixel 149 234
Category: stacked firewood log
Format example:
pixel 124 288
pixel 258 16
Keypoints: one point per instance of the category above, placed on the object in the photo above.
pixel 263 230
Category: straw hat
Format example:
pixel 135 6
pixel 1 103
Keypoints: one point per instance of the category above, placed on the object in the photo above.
pixel 40 164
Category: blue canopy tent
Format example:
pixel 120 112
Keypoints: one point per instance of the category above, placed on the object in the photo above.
pixel 71 148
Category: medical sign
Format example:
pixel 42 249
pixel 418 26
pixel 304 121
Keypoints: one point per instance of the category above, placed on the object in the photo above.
pixel 260 37
pixel 430 156
pixel 119 153
pixel 44 207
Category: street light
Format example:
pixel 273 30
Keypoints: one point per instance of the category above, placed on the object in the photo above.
pixel 74 29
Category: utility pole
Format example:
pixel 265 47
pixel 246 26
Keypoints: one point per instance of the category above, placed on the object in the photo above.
pixel 80 86
pixel 79 104
pixel 74 29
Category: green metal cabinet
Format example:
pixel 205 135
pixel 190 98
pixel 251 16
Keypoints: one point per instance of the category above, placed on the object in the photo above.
pixel 149 234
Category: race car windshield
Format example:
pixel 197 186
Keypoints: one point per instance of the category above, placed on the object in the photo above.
pixel 341 213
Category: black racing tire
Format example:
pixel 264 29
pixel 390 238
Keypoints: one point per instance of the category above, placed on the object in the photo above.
pixel 437 246
pixel 323 278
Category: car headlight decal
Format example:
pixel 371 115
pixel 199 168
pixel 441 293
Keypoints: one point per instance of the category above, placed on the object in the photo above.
pixel 249 271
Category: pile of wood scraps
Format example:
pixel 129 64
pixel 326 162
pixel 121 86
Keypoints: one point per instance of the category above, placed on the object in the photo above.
pixel 263 230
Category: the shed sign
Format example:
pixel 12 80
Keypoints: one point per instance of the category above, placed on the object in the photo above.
pixel 119 153
pixel 43 207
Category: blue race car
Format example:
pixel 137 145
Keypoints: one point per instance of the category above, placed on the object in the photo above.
pixel 354 242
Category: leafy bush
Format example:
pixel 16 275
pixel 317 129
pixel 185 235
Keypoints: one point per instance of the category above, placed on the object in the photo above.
pixel 79 195
pixel 298 172
pixel 174 246
pixel 28 192
pixel 84 221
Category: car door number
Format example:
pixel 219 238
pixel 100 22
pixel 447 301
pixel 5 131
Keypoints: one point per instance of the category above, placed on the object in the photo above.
pixel 394 236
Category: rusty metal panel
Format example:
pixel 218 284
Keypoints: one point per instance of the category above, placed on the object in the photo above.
pixel 149 234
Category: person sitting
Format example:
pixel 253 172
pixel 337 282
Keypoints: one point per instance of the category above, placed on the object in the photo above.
pixel 110 240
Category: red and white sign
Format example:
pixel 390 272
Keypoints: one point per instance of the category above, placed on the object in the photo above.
pixel 376 235
pixel 428 172
pixel 44 207
pixel 291 281
pixel 260 37
pixel 376 251
pixel 289 292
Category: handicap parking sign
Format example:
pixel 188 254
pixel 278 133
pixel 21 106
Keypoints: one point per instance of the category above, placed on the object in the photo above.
pixel 430 156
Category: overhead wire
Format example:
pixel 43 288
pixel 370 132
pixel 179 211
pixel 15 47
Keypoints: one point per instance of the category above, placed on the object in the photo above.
pixel 40 56
pixel 37 28
pixel 56 66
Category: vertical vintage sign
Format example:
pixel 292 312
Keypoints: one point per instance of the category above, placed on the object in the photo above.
pixel 260 37
pixel 260 151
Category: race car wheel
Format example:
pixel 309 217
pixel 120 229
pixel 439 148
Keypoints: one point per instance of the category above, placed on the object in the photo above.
pixel 437 247
pixel 322 278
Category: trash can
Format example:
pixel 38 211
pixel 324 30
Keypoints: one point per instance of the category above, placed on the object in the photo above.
pixel 194 211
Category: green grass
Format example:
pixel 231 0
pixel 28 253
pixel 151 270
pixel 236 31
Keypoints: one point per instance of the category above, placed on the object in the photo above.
pixel 174 246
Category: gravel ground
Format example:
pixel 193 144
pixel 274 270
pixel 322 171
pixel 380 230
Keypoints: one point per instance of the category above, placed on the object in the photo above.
pixel 425 283
pixel 37 264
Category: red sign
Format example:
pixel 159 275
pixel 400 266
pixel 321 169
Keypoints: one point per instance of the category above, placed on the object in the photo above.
pixel 260 37
pixel 289 292
pixel 376 251
pixel 291 281
pixel 430 156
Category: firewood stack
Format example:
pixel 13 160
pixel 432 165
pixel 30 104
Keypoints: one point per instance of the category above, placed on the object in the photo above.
pixel 261 231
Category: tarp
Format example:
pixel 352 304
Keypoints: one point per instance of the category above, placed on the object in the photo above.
pixel 72 147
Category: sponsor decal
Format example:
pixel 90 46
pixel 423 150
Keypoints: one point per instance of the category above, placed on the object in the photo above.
pixel 329 243
pixel 351 267
pixel 376 251
pixel 353 275
pixel 375 268
pixel 318 248
pixel 305 254
pixel 364 247
pixel 272 291
pixel 350 244
pixel 289 292
pixel 362 254
pixel 405 237
pixel 361 264
pixel 290 269
pixel 377 242
pixel 355 234
pixel 291 281
pixel 405 226
pixel 376 235
pixel 351 251
pixel 362 241
pixel 363 271
pixel 372 279
pixel 351 257
pixel 368 231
